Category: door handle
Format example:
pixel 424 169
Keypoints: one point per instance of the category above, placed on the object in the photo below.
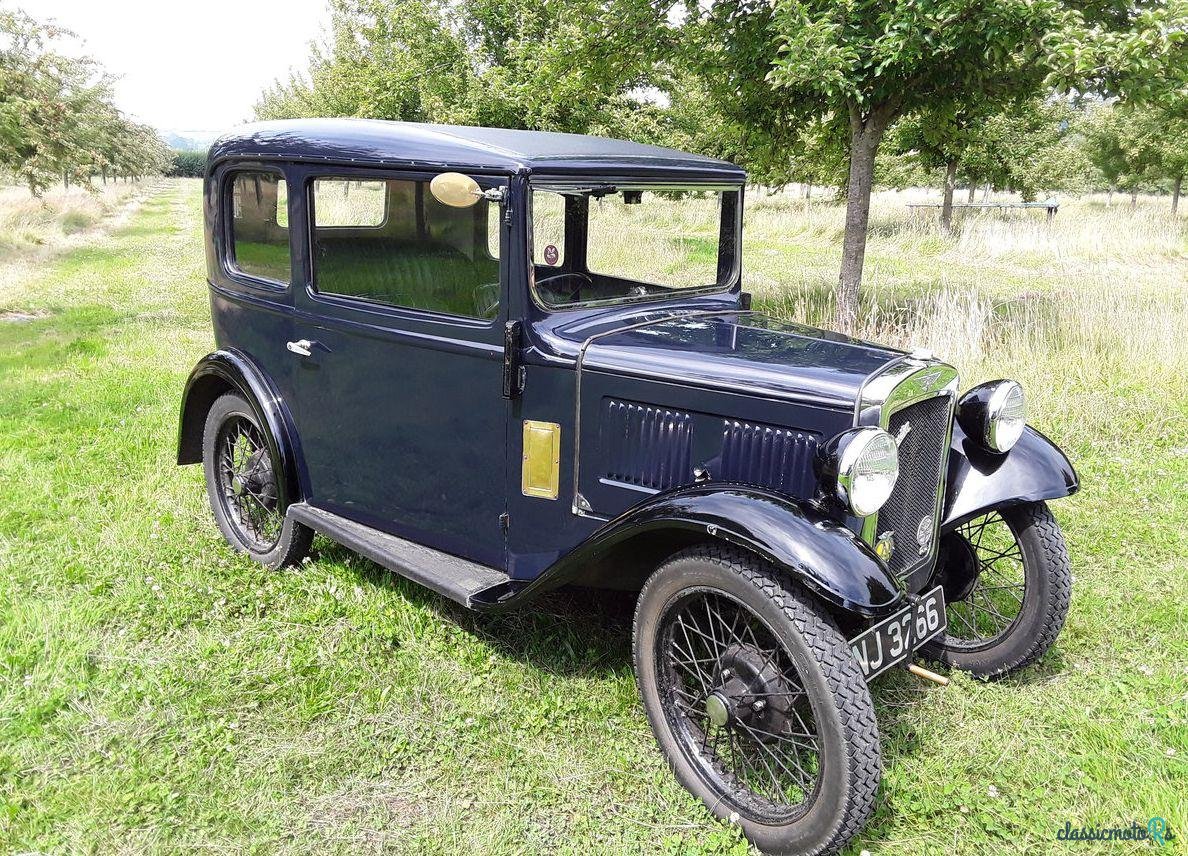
pixel 301 346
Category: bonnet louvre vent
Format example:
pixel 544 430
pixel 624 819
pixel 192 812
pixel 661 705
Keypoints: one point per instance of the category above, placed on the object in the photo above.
pixel 779 458
pixel 646 446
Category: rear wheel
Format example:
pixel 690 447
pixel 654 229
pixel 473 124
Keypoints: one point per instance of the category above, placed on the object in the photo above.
pixel 1007 587
pixel 756 701
pixel 245 487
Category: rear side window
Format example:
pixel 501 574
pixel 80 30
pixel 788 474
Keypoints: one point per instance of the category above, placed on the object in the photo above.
pixel 259 206
pixel 390 241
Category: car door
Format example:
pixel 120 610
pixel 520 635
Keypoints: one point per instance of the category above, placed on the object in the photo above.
pixel 398 359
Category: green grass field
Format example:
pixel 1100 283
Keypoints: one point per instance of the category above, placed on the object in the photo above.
pixel 158 693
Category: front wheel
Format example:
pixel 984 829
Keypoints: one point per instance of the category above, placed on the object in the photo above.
pixel 1007 587
pixel 756 701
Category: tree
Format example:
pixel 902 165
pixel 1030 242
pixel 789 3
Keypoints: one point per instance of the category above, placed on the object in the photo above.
pixel 1135 146
pixel 502 63
pixel 57 119
pixel 774 66
pixel 1146 67
pixel 1103 131
pixel 189 164
pixel 870 62
pixel 1155 144
pixel 940 139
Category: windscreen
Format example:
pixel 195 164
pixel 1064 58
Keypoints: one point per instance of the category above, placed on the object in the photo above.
pixel 610 244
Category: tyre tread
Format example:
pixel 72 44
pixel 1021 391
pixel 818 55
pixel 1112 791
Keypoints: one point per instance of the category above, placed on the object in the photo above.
pixel 1032 520
pixel 841 671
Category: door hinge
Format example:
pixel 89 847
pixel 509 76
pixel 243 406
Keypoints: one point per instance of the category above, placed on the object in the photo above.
pixel 504 522
pixel 513 369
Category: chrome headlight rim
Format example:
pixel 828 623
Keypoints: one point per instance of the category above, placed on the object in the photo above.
pixel 1007 402
pixel 994 414
pixel 852 449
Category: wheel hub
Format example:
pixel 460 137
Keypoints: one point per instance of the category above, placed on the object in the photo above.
pixel 751 690
pixel 958 564
pixel 256 478
pixel 717 707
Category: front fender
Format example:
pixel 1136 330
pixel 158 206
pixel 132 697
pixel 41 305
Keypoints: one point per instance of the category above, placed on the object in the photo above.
pixel 1034 469
pixel 826 557
pixel 231 370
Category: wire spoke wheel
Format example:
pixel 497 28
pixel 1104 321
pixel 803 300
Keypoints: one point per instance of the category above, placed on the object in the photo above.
pixel 994 598
pixel 246 483
pixel 734 698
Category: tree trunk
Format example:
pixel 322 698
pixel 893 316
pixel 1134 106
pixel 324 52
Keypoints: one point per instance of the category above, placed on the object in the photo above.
pixel 1176 188
pixel 946 214
pixel 986 192
pixel 865 136
pixel 1110 197
pixel 1133 199
pixel 808 190
pixel 970 198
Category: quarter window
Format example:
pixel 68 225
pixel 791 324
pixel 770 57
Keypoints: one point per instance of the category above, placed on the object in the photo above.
pixel 548 229
pixel 260 225
pixel 391 242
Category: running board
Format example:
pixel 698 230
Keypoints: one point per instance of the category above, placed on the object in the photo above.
pixel 470 584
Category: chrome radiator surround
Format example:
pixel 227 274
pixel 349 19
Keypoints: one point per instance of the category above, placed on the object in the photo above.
pixel 899 385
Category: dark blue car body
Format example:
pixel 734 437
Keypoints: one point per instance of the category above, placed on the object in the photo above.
pixel 680 419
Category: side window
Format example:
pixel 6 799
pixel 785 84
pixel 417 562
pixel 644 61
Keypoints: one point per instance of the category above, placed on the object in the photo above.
pixel 389 241
pixel 350 204
pixel 259 240
pixel 548 228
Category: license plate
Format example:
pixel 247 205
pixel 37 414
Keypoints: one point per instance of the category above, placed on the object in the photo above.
pixel 893 639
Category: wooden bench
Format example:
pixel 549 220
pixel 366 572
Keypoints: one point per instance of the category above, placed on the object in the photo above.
pixel 1051 206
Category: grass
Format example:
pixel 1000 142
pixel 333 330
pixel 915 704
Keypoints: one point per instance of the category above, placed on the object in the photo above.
pixel 158 693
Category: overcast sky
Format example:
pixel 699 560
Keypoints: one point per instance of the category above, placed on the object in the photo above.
pixel 190 67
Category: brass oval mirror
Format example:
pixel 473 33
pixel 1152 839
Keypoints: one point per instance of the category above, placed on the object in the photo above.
pixel 455 189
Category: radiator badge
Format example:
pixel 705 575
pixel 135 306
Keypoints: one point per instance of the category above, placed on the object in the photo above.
pixel 903 432
pixel 929 380
pixel 924 535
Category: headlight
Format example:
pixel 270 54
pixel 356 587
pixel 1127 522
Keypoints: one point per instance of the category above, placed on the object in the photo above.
pixel 994 414
pixel 862 465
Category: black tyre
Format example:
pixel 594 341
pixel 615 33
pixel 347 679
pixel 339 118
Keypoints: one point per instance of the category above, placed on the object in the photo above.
pixel 1007 587
pixel 756 701
pixel 245 486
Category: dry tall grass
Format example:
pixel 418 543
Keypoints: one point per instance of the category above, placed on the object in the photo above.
pixel 28 224
pixel 34 231
pixel 1093 303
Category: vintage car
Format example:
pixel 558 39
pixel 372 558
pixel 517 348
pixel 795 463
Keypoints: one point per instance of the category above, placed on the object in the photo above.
pixel 498 362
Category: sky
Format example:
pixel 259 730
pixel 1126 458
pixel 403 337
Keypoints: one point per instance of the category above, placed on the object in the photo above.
pixel 190 68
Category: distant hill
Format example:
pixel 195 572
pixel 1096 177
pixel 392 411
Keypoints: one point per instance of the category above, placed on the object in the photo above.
pixel 189 141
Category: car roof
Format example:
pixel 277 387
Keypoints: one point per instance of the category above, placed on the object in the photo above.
pixel 383 143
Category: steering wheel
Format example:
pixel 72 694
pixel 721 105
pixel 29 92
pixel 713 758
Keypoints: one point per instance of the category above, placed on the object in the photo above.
pixel 566 287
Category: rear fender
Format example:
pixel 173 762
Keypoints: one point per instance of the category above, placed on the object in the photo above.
pixel 826 557
pixel 1034 469
pixel 231 370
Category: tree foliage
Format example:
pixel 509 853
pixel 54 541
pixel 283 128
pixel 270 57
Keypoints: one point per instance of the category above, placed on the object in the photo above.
pixel 1030 146
pixel 791 89
pixel 1136 146
pixel 502 63
pixel 57 119
pixel 187 164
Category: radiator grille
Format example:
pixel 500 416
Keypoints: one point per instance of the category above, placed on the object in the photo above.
pixel 923 453
pixel 778 458
pixel 646 446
